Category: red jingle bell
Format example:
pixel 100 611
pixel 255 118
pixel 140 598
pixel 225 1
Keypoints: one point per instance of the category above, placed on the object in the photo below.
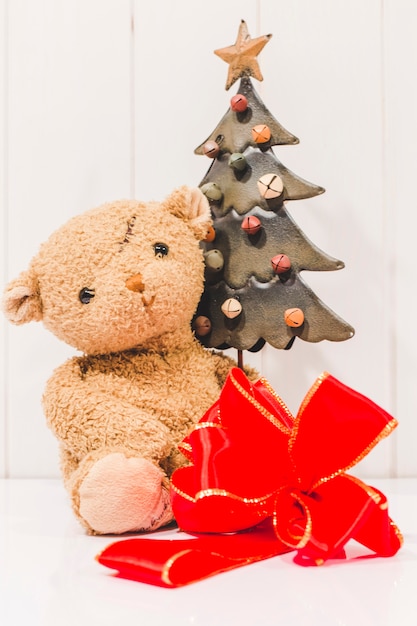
pixel 211 149
pixel 280 263
pixel 251 224
pixel 239 103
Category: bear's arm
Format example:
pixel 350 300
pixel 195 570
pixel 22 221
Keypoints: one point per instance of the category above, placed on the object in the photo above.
pixel 84 418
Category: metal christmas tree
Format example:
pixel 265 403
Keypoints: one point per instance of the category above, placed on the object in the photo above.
pixel 254 292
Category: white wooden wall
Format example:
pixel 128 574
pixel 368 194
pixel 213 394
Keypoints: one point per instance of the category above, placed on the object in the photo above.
pixel 104 99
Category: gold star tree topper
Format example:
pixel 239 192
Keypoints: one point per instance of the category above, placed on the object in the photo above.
pixel 242 55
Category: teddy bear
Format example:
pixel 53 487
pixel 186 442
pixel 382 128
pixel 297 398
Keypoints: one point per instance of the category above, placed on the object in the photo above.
pixel 120 284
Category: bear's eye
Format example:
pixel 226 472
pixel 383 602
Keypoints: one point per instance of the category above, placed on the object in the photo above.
pixel 161 250
pixel 86 295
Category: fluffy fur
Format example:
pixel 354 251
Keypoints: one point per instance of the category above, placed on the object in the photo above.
pixel 143 380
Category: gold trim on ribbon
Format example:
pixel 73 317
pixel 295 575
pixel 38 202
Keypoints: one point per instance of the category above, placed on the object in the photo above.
pixel 294 432
pixel 181 493
pixel 274 394
pixel 264 412
pixel 370 492
pixel 167 567
pixel 240 562
pixel 388 428
pixel 308 528
pixel 397 532
pixel 201 425
pixel 228 494
pixel 204 493
pixel 313 389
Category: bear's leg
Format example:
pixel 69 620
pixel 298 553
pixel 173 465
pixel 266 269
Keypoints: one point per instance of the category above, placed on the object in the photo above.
pixel 114 492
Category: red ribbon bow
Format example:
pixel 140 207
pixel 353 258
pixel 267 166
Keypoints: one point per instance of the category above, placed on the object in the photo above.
pixel 277 482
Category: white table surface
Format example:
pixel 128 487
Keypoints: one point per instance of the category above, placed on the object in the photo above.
pixel 49 576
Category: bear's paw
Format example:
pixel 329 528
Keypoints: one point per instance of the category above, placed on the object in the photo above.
pixel 123 494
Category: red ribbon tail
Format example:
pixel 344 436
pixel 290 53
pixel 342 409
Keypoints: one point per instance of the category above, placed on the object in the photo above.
pixel 379 533
pixel 175 563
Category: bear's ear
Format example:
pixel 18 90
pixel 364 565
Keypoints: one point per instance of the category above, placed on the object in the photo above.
pixel 190 205
pixel 21 300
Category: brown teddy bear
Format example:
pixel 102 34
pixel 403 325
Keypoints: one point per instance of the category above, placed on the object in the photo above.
pixel 120 283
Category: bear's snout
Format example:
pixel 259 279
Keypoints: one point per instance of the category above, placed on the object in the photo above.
pixel 135 283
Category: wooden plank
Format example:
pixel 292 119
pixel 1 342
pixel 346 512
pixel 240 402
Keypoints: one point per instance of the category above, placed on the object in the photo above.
pixel 69 150
pixel 401 157
pixel 3 241
pixel 323 81
pixel 180 87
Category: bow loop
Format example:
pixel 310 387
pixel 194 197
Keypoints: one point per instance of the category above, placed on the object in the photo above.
pixel 335 428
